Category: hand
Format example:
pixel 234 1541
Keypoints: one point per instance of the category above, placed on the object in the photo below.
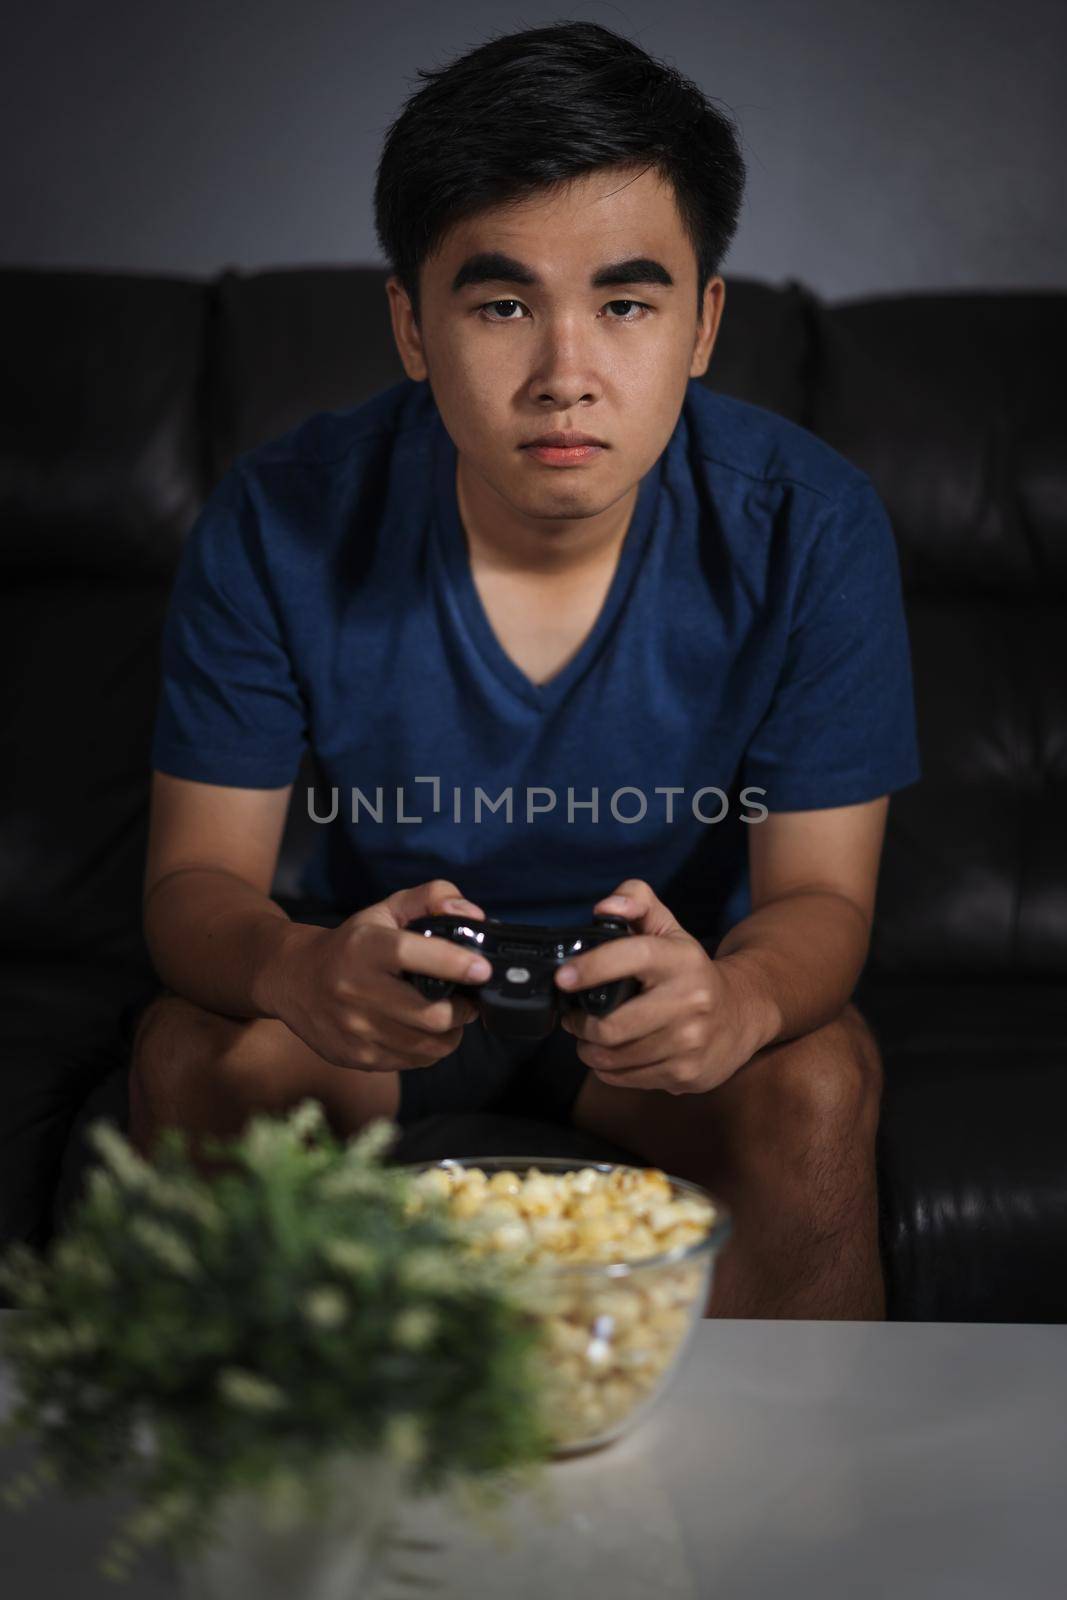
pixel 689 1029
pixel 340 989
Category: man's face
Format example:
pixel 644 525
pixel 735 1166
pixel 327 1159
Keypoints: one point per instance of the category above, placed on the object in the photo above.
pixel 517 348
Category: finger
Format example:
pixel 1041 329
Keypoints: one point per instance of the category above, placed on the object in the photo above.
pixel 637 901
pixel 419 1047
pixel 434 1016
pixel 410 1036
pixel 662 1045
pixel 443 896
pixel 397 1000
pixel 386 1063
pixel 438 958
pixel 455 1011
pixel 641 956
pixel 634 1019
pixel 423 900
pixel 413 1058
pixel 464 908
pixel 656 1076
pixel 398 909
pixel 360 1055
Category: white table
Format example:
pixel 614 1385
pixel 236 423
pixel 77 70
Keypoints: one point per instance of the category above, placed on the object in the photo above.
pixel 837 1461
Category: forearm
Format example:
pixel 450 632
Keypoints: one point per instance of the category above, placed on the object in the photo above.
pixel 220 942
pixel 796 961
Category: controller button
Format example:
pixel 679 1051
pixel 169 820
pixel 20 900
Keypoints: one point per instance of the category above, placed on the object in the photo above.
pixel 517 975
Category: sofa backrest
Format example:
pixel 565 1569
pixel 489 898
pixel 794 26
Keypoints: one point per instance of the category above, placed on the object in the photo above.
pixel 954 403
pixel 126 397
pixel 102 469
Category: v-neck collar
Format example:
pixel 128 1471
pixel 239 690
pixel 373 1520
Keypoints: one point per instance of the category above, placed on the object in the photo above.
pixel 541 696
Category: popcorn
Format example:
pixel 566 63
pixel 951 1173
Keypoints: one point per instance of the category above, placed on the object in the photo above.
pixel 510 1236
pixel 624 1214
pixel 537 1197
pixel 466 1202
pixel 552 1233
pixel 505 1183
pixel 609 1340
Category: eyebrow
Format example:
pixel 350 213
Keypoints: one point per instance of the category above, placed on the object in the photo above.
pixel 491 266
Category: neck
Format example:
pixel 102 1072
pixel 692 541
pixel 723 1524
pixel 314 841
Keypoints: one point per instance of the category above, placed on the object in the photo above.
pixel 503 539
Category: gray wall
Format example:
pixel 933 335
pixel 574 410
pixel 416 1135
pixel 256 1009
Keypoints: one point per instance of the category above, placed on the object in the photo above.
pixel 891 145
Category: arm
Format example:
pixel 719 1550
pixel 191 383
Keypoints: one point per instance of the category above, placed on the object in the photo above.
pixel 217 938
pixel 838 736
pixel 785 969
pixel 230 727
pixel 840 728
pixel 212 930
pixel 799 953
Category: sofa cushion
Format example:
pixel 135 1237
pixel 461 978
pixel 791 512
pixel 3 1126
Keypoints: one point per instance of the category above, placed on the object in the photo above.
pixel 972 1177
pixel 974 875
pixel 59 1039
pixel 80 665
pixel 974 1191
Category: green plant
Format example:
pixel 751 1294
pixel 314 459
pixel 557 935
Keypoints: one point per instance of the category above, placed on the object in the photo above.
pixel 188 1336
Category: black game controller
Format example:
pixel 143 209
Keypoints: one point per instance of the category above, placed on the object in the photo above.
pixel 520 1000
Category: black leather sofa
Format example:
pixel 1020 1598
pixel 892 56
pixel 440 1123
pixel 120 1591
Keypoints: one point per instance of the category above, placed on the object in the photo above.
pixel 123 400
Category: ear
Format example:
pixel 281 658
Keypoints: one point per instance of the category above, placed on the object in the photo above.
pixel 708 326
pixel 405 330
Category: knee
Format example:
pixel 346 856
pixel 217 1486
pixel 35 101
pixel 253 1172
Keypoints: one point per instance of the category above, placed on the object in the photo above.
pixel 175 1040
pixel 829 1082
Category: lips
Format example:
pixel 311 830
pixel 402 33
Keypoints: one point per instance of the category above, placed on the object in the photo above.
pixel 564 449
pixel 561 441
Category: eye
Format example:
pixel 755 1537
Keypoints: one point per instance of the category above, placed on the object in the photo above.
pixel 490 303
pixel 640 304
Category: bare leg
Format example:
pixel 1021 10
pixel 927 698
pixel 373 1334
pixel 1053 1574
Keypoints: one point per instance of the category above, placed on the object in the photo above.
pixel 788 1144
pixel 207 1074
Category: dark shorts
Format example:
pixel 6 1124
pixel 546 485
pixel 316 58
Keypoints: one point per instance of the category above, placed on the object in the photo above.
pixel 539 1078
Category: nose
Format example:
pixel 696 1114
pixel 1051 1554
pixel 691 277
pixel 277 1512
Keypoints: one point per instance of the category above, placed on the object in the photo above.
pixel 563 376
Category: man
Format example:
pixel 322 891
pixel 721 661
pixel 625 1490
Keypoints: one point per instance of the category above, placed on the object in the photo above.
pixel 663 674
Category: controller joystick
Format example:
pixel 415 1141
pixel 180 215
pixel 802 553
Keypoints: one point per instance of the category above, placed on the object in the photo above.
pixel 520 1000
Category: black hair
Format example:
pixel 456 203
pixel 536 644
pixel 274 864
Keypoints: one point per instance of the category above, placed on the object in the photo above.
pixel 527 111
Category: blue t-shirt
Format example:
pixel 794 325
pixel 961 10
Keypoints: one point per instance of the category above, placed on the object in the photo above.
pixel 751 653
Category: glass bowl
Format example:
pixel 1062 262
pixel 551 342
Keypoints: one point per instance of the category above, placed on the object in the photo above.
pixel 615 1331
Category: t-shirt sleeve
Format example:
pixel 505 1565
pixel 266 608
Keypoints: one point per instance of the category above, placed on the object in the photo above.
pixel 230 710
pixel 840 728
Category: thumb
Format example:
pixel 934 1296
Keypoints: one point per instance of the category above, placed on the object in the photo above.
pixel 422 900
pixel 637 901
